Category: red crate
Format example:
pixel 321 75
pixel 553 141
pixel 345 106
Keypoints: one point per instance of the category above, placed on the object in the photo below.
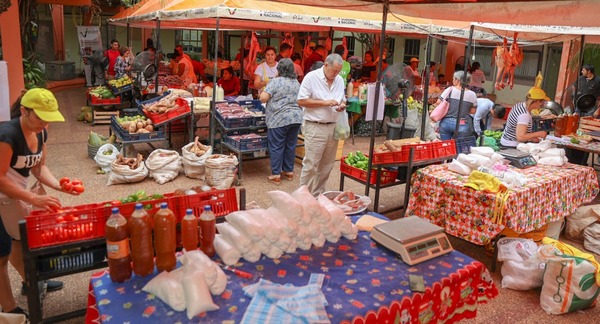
pixel 71 224
pixel 151 206
pixel 183 108
pixel 109 101
pixel 387 176
pixel 444 149
pixel 222 202
pixel 423 151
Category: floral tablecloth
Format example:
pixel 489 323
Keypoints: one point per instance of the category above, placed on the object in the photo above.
pixel 550 194
pixel 364 283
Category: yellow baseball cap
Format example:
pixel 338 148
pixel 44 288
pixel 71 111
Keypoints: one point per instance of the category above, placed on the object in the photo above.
pixel 312 44
pixel 44 104
pixel 537 94
pixel 414 59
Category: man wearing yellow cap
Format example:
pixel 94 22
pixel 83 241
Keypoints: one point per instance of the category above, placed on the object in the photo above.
pixel 518 124
pixel 411 73
pixel 23 152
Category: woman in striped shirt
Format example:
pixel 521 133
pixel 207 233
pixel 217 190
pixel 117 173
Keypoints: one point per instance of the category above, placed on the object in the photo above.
pixel 518 124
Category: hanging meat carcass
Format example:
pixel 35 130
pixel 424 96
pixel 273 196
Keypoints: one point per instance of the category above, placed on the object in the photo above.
pixel 507 61
pixel 516 58
pixel 254 49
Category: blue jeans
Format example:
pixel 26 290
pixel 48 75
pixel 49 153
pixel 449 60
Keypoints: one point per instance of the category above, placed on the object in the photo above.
pixel 447 126
pixel 282 147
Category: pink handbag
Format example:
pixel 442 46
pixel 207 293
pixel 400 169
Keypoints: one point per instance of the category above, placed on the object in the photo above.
pixel 441 110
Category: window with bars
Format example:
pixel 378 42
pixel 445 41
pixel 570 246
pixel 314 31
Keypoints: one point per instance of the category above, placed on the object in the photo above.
pixel 411 49
pixel 191 40
pixel 350 43
pixel 391 46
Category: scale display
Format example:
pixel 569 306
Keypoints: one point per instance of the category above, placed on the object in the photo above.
pixel 518 159
pixel 414 239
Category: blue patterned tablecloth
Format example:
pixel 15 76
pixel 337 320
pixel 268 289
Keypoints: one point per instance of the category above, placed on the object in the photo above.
pixel 363 282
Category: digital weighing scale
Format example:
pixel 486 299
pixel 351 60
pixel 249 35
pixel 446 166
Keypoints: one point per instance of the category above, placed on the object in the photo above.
pixel 414 239
pixel 517 158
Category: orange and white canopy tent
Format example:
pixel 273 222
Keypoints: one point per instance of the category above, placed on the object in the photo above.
pixel 263 15
pixel 535 20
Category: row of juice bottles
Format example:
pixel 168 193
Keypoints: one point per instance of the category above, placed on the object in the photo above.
pixel 566 124
pixel 129 243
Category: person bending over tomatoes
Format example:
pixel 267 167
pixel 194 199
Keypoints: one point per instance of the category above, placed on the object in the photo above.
pixel 23 153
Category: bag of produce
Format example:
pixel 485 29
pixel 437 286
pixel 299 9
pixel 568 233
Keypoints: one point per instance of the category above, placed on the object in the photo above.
pixel 193 158
pixel 342 127
pixel 221 170
pixel 105 155
pixel 127 170
pixel 164 165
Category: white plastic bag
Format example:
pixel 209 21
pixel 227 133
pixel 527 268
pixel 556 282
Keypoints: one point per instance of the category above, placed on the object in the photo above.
pixel 164 165
pixel 105 155
pixel 167 286
pixel 342 127
pixel 193 166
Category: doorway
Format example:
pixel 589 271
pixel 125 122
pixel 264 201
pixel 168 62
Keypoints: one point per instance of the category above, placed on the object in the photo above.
pixel 552 68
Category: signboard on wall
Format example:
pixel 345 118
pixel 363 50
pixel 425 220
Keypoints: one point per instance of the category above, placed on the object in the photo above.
pixel 89 39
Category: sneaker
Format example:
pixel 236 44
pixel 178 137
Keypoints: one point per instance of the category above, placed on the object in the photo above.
pixel 50 285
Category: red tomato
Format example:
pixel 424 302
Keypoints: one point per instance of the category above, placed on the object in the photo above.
pixel 76 182
pixel 67 186
pixel 115 202
pixel 77 188
pixel 64 180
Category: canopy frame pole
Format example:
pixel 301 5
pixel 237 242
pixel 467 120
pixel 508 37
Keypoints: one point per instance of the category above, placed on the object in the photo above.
pixel 463 83
pixel 156 62
pixel 376 103
pixel 576 95
pixel 425 112
pixel 211 122
pixel 128 36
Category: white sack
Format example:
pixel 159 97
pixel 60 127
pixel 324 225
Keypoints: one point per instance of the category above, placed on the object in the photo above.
pixel 286 204
pixel 237 238
pixel 482 150
pixel 123 174
pixel 194 166
pixel 220 170
pixel 164 165
pixel 168 288
pixel 197 294
pixel 458 167
pixel 226 250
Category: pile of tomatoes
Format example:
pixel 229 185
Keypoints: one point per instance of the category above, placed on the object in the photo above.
pixel 73 186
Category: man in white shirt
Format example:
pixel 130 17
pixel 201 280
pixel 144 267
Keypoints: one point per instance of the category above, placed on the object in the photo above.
pixel 486 111
pixel 322 97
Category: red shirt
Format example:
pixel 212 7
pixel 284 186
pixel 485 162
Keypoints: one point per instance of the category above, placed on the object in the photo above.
pixel 230 86
pixel 314 57
pixel 112 58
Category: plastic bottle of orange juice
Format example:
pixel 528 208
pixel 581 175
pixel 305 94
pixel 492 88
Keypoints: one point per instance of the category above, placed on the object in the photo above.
pixel 189 230
pixel 117 247
pixel 140 229
pixel 165 240
pixel 207 231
